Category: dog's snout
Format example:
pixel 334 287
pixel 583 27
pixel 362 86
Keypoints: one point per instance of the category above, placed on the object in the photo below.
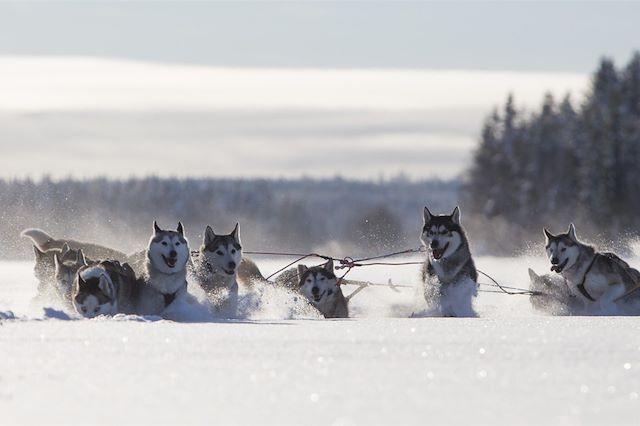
pixel 555 260
pixel 315 290
pixel 435 244
pixel 232 265
pixel 173 253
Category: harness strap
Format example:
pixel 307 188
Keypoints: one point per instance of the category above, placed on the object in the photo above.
pixel 581 287
pixel 169 298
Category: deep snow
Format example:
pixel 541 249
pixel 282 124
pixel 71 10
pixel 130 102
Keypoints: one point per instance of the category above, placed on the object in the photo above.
pixel 509 366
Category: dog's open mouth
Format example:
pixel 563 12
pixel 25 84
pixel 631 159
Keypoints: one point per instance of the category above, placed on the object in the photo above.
pixel 439 252
pixel 559 268
pixel 170 261
pixel 229 271
pixel 319 296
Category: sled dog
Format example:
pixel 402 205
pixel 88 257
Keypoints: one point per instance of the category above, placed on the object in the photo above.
pixel 105 288
pixel 67 263
pixel 165 276
pixel 319 285
pixel 449 275
pixel 215 269
pixel 598 279
pixel 45 246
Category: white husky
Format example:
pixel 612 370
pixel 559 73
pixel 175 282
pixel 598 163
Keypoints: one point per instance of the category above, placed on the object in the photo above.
pixel 165 277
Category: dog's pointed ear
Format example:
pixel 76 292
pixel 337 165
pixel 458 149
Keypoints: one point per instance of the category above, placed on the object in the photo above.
pixel 572 233
pixel 329 265
pixel 180 229
pixel 236 233
pixel 547 235
pixel 209 235
pixel 532 275
pixel 81 282
pixel 427 215
pixel 65 248
pixel 104 284
pixel 56 260
pixel 156 228
pixel 301 270
pixel 455 216
pixel 80 259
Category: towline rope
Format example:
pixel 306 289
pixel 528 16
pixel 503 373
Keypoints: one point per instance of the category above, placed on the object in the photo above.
pixel 349 263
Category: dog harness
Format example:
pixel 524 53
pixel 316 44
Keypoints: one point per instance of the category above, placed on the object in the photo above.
pixel 169 298
pixel 581 287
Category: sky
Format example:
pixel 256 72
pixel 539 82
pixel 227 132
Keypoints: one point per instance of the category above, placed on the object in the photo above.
pixel 282 89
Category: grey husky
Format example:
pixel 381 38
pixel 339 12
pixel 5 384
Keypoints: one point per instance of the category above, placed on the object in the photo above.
pixel 67 263
pixel 319 285
pixel 165 276
pixel 448 274
pixel 45 247
pixel 105 288
pixel 215 269
pixel 598 279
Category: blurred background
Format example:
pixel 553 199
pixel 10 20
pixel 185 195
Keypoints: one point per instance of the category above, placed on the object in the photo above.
pixel 319 125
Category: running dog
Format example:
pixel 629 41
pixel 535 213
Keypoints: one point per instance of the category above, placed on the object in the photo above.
pixel 449 275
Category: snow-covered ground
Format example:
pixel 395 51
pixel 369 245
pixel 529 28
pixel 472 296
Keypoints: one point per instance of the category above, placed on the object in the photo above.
pixel 509 366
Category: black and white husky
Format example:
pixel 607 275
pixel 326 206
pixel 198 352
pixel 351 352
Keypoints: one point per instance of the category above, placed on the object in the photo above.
pixel 105 288
pixel 165 276
pixel 319 285
pixel 600 280
pixel 448 274
pixel 215 268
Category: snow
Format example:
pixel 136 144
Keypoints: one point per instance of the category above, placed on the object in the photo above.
pixel 509 366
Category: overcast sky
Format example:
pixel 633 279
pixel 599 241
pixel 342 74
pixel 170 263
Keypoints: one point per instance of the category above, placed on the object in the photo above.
pixel 182 88
pixel 546 36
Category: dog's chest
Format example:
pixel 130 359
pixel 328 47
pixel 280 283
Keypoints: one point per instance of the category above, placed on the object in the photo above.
pixel 167 284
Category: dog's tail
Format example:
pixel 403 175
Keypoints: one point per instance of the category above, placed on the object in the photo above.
pixel 249 273
pixel 40 239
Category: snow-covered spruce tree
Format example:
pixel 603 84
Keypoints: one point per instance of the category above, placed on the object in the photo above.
pixel 561 163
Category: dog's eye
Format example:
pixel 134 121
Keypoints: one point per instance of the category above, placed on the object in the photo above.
pixel 564 249
pixel 178 243
pixel 322 278
pixel 233 251
pixel 96 310
pixel 219 253
pixel 84 310
pixel 164 243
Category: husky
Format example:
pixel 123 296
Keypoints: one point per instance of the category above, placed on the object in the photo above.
pixel 597 279
pixel 106 288
pixel 552 295
pixel 215 269
pixel 449 275
pixel 66 264
pixel 165 276
pixel 319 285
pixel 45 247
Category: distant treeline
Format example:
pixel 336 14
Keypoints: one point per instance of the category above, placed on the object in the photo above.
pixel 563 163
pixel 337 216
